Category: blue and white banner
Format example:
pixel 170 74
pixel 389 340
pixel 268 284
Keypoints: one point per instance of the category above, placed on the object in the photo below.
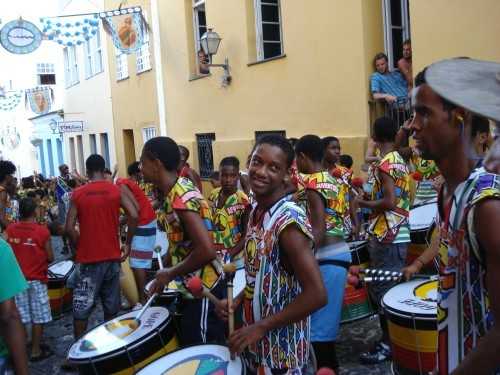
pixel 126 27
pixel 10 100
pixel 40 99
pixel 70 30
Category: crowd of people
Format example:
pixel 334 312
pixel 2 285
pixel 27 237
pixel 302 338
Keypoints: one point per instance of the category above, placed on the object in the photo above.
pixel 286 220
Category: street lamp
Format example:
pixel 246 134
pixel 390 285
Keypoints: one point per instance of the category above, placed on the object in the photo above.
pixel 210 42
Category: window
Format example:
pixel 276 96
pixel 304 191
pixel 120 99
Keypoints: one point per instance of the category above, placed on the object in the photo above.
pixel 269 33
pixel 46 74
pixel 396 29
pixel 142 61
pixel 121 65
pixel 148 133
pixel 105 148
pixel 200 28
pixel 93 56
pixel 205 153
pixel 93 144
pixel 71 66
pixel 260 134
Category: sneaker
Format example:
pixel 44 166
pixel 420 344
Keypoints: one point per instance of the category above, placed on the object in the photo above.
pixel 137 306
pixel 379 354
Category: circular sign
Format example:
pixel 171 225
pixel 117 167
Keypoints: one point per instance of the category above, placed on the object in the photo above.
pixel 20 37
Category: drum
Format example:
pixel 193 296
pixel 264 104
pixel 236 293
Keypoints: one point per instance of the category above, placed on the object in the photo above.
pixel 356 303
pixel 200 359
pixel 120 347
pixel 359 253
pixel 411 312
pixel 60 296
pixel 422 229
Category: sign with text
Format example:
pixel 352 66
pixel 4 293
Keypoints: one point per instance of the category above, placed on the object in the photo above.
pixel 70 126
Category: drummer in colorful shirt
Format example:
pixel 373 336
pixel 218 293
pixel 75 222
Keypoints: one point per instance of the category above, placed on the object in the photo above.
pixel 388 223
pixel 284 284
pixel 230 208
pixel 325 208
pixel 191 249
pixel 7 180
pixel 469 212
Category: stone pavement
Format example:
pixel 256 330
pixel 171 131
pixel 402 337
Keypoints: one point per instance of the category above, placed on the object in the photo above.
pixel 354 338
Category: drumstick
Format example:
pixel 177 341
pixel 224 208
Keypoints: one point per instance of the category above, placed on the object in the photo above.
pixel 137 319
pixel 198 290
pixel 158 255
pixel 229 270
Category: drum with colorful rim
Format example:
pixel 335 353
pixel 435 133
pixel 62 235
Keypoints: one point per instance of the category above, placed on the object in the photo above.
pixel 422 229
pixel 123 346
pixel 60 297
pixel 196 360
pixel 411 311
pixel 356 300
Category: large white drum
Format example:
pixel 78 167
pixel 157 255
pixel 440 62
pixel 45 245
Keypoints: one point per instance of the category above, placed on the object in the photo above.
pixel 194 360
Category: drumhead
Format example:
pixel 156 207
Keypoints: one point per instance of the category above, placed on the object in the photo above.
pixel 239 282
pixel 210 359
pixel 422 217
pixel 170 289
pixel 60 269
pixel 117 334
pixel 413 298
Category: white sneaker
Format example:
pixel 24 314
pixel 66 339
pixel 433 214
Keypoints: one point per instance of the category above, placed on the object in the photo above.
pixel 137 306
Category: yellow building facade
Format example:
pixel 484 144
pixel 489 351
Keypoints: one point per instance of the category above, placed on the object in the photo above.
pixel 133 93
pixel 318 83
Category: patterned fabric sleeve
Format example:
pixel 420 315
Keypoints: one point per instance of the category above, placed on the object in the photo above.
pixel 186 197
pixel 293 214
pixel 392 166
pixel 243 198
pixel 213 196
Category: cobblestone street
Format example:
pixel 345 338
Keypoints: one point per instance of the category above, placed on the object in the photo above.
pixel 355 338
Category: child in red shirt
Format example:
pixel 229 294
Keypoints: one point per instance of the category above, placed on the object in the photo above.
pixel 31 245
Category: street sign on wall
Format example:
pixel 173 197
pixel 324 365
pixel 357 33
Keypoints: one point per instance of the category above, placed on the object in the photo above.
pixel 70 126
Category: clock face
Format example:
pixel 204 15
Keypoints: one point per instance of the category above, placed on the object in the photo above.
pixel 20 37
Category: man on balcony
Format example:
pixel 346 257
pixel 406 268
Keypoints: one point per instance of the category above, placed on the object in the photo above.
pixel 387 85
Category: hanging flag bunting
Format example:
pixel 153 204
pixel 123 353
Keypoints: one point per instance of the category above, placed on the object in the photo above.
pixel 10 101
pixel 20 37
pixel 126 26
pixel 70 30
pixel 40 99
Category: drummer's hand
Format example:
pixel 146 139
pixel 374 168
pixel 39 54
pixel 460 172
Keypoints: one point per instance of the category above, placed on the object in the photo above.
pixel 242 338
pixel 411 270
pixel 125 252
pixel 161 280
pixel 222 311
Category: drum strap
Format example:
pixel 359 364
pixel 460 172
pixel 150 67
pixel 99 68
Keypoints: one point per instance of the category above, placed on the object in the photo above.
pixel 333 262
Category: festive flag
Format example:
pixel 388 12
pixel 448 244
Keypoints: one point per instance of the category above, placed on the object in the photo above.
pixel 40 99
pixel 70 30
pixel 126 27
pixel 10 100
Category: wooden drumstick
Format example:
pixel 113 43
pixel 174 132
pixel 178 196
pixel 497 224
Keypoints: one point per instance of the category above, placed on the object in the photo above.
pixel 198 290
pixel 157 250
pixel 229 270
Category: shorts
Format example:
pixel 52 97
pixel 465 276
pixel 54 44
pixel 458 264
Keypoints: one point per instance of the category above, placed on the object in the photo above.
pixel 325 322
pixel 97 280
pixel 143 243
pixel 61 212
pixel 33 303
pixel 389 257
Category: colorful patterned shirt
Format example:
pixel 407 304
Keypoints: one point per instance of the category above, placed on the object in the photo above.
pixel 270 288
pixel 391 226
pixel 227 220
pixel 464 314
pixel 429 171
pixel 184 196
pixel 332 193
pixel 345 181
